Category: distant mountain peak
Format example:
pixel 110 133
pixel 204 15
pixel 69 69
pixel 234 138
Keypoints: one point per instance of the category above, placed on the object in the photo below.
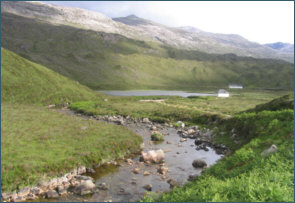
pixel 281 46
pixel 132 16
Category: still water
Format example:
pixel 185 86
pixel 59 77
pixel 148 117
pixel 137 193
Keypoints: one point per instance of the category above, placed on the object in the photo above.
pixel 155 93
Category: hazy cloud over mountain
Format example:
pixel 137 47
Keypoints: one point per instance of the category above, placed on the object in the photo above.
pixel 263 22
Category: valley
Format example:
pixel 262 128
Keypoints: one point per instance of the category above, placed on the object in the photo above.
pixel 125 109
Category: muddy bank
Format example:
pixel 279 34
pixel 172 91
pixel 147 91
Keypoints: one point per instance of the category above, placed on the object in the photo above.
pixel 130 179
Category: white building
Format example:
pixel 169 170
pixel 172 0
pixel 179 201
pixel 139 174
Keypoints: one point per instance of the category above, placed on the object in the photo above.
pixel 222 93
pixel 235 86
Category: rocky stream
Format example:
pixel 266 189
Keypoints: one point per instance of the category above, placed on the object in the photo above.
pixel 162 165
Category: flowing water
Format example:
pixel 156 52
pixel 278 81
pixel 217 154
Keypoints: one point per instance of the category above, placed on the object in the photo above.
pixel 125 186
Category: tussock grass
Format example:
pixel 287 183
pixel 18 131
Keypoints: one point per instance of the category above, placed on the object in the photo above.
pixel 38 142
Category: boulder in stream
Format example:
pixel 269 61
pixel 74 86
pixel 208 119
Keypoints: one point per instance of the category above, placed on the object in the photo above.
pixel 199 163
pixel 148 187
pixel 153 156
pixel 84 188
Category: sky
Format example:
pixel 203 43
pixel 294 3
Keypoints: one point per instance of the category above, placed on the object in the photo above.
pixel 257 21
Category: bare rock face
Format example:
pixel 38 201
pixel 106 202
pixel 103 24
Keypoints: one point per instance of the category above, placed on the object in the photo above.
pixel 199 163
pixel 153 156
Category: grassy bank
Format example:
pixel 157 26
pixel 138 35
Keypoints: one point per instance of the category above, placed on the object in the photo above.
pixel 177 108
pixel 247 175
pixel 38 142
pixel 25 82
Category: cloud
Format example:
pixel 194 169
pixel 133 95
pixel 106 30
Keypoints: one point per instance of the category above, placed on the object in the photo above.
pixel 263 22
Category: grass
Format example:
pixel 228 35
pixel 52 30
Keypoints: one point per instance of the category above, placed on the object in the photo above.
pixel 23 81
pixel 285 102
pixel 177 108
pixel 246 175
pixel 37 141
pixel 111 61
pixel 157 136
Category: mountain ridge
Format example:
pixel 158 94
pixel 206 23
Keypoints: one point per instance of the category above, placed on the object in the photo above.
pixel 284 47
pixel 102 60
pixel 148 31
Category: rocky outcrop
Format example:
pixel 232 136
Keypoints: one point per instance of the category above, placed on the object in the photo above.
pixel 52 188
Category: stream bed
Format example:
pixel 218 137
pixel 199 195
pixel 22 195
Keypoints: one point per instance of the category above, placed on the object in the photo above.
pixel 124 185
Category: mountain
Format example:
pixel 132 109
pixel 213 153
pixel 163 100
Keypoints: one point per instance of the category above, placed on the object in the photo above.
pixel 141 29
pixel 283 47
pixel 196 39
pixel 103 60
pixel 23 81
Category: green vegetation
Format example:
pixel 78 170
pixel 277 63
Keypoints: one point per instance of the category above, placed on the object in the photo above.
pixel 37 141
pixel 40 143
pixel 111 61
pixel 26 82
pixel 157 136
pixel 285 102
pixel 176 108
pixel 247 175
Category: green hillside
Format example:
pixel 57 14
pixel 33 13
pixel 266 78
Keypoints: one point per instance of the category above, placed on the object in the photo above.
pixel 26 82
pixel 40 143
pixel 285 102
pixel 111 61
pixel 248 174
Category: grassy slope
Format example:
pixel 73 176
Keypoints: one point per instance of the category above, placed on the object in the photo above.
pixel 26 82
pixel 285 102
pixel 177 108
pixel 111 61
pixel 247 175
pixel 37 141
pixel 244 176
